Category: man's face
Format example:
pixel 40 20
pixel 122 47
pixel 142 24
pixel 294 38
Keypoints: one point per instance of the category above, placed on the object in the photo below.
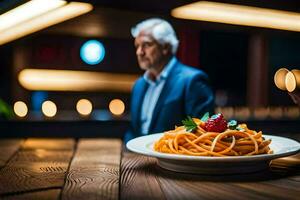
pixel 149 52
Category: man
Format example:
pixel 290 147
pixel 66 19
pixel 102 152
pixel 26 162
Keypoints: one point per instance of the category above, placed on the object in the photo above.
pixel 169 91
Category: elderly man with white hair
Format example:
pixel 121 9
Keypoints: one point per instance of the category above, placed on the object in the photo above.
pixel 169 91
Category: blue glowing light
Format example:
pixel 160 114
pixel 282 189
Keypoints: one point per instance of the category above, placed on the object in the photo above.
pixel 92 52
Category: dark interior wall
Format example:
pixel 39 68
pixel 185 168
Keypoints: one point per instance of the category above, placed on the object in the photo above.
pixel 5 72
pixel 223 55
pixel 63 52
pixel 57 129
pixel 284 51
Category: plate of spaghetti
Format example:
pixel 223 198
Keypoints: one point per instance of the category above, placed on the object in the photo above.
pixel 211 145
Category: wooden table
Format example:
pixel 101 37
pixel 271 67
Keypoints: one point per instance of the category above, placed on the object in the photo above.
pixel 103 169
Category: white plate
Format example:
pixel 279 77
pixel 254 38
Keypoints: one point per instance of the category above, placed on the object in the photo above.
pixel 214 165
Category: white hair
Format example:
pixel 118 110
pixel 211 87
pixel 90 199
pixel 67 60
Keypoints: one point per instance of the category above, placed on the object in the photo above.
pixel 159 29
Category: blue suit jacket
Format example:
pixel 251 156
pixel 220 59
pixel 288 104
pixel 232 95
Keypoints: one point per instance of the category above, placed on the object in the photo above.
pixel 185 93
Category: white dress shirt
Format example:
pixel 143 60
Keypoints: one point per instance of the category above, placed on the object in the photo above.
pixel 152 94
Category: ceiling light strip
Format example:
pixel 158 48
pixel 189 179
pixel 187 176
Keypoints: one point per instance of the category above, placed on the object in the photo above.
pixel 239 15
pixel 69 80
pixel 50 18
pixel 27 11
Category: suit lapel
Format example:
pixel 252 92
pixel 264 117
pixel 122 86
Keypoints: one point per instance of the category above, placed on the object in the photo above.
pixel 171 79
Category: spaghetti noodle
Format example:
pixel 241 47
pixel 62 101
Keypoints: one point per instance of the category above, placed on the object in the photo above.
pixel 237 142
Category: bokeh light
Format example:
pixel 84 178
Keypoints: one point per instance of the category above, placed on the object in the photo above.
pixel 279 78
pixel 84 107
pixel 92 52
pixel 49 109
pixel 290 82
pixel 117 107
pixel 20 109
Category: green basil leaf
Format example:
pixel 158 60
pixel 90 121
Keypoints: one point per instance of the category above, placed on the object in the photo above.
pixel 189 124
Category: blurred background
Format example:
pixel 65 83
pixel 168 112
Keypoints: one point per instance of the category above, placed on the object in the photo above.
pixel 68 69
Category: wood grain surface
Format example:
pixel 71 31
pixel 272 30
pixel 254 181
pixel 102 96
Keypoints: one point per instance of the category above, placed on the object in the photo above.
pixel 51 194
pixel 40 164
pixel 7 149
pixel 141 178
pixel 95 170
pixel 42 155
pixel 138 178
pixel 99 168
pixel 49 143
